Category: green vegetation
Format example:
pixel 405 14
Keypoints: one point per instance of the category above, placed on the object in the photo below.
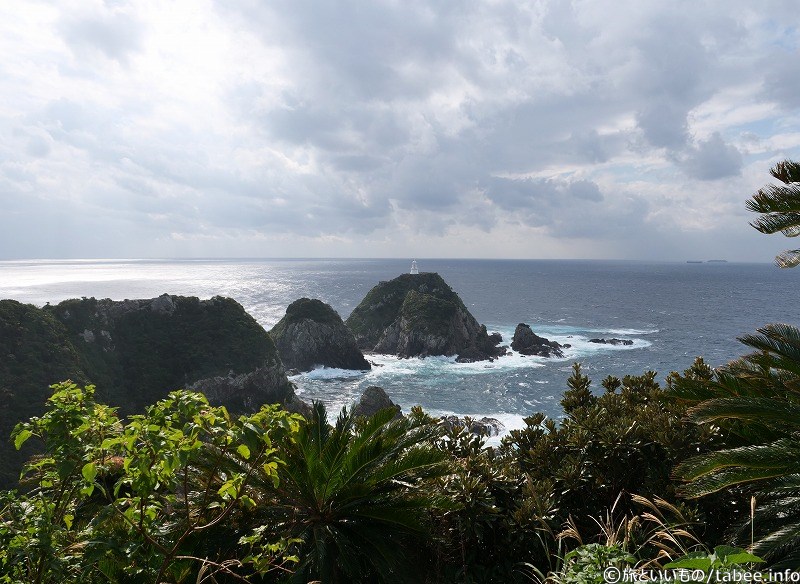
pixel 780 208
pixel 425 313
pixel 354 496
pixel 142 501
pixel 35 351
pixel 755 401
pixel 136 351
pixel 303 309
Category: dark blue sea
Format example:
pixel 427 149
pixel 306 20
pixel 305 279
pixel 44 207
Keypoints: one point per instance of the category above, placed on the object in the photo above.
pixel 671 311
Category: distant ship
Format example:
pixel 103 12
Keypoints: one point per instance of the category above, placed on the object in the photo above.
pixel 717 261
pixel 694 261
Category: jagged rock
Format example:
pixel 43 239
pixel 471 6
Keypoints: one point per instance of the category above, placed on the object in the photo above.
pixel 419 315
pixel 612 341
pixel 373 400
pixel 163 304
pixel 298 406
pixel 248 391
pixel 482 427
pixel 527 342
pixel 312 334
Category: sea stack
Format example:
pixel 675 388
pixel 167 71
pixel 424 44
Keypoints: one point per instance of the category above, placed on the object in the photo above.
pixel 312 334
pixel 528 342
pixel 419 315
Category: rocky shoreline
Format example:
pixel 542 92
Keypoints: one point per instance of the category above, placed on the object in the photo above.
pixel 136 351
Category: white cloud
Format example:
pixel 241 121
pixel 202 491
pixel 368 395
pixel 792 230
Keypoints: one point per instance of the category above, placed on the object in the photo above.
pixel 519 129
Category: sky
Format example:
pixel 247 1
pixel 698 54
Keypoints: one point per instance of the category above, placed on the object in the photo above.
pixel 604 129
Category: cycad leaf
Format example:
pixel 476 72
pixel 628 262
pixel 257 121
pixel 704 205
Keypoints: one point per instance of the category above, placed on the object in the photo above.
pixel 714 471
pixel 788 259
pixel 774 413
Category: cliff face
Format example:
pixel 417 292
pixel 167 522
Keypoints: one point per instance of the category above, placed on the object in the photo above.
pixel 313 334
pixel 135 352
pixel 419 315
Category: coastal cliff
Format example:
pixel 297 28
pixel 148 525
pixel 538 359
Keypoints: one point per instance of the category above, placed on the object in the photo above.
pixel 419 315
pixel 312 334
pixel 135 352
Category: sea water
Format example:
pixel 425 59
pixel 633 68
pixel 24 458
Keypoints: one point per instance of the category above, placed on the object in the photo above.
pixel 671 311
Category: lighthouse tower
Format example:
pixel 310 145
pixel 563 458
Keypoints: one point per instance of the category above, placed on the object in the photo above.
pixel 414 269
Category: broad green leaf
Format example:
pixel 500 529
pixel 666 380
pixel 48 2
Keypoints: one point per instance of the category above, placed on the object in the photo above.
pixel 703 563
pixel 89 471
pixel 243 451
pixel 21 438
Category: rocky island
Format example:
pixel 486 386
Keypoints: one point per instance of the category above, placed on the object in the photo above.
pixel 419 315
pixel 312 334
pixel 527 342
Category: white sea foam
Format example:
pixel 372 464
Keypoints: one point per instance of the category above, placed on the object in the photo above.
pixel 509 422
pixel 330 373
pixel 393 365
pixel 632 331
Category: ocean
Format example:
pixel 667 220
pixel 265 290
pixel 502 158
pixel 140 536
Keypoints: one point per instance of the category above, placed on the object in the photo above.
pixel 671 311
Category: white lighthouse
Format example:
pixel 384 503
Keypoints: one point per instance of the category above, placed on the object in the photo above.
pixel 414 269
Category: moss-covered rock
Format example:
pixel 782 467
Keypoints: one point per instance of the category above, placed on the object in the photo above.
pixel 135 352
pixel 312 334
pixel 419 315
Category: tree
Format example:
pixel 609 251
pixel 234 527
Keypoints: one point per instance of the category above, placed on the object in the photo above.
pixel 356 496
pixel 135 502
pixel 756 401
pixel 780 208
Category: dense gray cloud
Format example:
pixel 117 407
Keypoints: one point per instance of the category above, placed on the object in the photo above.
pixel 246 128
pixel 712 159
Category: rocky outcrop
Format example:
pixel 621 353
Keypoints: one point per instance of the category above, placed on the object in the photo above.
pixel 248 391
pixel 135 352
pixel 373 400
pixel 419 315
pixel 312 334
pixel 527 342
pixel 481 427
pixel 611 341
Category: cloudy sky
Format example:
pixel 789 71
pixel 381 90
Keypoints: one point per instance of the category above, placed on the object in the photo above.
pixel 393 128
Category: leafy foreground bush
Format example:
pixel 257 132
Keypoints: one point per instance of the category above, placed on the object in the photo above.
pixel 755 401
pixel 186 493
pixel 510 504
pixel 162 497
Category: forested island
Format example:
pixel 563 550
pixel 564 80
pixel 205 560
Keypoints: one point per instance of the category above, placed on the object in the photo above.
pixel 160 440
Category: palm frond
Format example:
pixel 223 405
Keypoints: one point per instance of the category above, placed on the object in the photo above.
pixel 714 471
pixel 786 171
pixel 780 208
pixel 788 259
pixel 774 413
